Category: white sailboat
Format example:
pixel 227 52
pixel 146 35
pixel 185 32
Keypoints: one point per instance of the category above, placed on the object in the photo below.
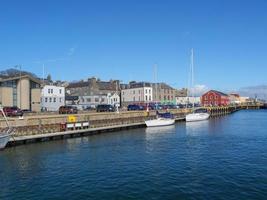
pixel 198 114
pixel 159 121
pixel 5 133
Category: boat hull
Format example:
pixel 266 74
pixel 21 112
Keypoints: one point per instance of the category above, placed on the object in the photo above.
pixel 197 117
pixel 159 122
pixel 4 140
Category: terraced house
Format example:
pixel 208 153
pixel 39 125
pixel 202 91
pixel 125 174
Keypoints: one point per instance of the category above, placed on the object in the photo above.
pixel 163 93
pixel 136 93
pixel 93 91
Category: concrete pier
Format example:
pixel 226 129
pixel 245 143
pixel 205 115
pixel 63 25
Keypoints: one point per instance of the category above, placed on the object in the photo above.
pixel 40 128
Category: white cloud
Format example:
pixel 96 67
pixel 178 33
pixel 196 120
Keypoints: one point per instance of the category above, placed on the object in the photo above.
pixel 198 90
pixel 260 91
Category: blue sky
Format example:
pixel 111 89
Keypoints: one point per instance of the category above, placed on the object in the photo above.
pixel 124 39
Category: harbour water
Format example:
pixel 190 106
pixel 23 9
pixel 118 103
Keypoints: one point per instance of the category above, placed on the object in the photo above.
pixel 222 158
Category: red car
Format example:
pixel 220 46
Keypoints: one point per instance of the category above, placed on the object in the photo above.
pixel 13 111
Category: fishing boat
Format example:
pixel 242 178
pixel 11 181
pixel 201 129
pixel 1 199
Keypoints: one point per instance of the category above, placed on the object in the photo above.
pixel 198 114
pixel 6 133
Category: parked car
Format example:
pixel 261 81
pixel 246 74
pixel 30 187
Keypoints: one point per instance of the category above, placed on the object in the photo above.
pixel 13 111
pixel 134 107
pixel 89 108
pixel 105 108
pixel 68 110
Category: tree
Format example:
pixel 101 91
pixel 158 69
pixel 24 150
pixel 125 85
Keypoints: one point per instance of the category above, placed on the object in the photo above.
pixel 49 78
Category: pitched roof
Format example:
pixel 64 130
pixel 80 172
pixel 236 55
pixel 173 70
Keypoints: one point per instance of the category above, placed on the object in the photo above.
pixel 218 92
pixel 10 78
pixel 101 85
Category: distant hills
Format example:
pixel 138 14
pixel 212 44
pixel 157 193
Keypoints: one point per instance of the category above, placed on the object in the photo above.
pixel 259 91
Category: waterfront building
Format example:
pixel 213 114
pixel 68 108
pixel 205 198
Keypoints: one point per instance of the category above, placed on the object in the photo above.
pixel 181 92
pixel 22 91
pixel 52 97
pixel 91 101
pixel 187 100
pixel 93 86
pixel 234 98
pixel 215 98
pixel 163 93
pixel 71 100
pixel 137 93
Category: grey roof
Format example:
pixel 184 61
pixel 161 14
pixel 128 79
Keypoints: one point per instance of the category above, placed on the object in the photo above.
pixel 163 86
pixel 101 85
pixel 218 92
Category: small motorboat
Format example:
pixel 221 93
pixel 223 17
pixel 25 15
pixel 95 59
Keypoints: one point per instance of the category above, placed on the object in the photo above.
pixel 164 119
pixel 198 115
pixel 5 133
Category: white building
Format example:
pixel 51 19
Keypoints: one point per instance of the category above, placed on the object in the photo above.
pixel 137 95
pixel 52 97
pixel 187 100
pixel 113 99
pixel 94 100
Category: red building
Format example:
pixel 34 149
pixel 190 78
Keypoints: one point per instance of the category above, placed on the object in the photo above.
pixel 215 98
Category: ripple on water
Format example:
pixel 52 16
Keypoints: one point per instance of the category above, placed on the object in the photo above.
pixel 223 158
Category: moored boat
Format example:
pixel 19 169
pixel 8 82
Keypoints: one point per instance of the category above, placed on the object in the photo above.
pixel 163 119
pixel 197 115
pixel 201 113
pixel 6 133
pixel 159 122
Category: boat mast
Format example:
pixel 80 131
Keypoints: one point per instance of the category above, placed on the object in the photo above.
pixel 156 84
pixel 4 115
pixel 192 77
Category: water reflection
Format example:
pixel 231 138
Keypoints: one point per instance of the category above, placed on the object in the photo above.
pixel 153 132
pixel 197 128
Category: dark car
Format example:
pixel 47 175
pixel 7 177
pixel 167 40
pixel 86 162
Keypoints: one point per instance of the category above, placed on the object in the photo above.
pixel 13 111
pixel 68 110
pixel 105 108
pixel 134 107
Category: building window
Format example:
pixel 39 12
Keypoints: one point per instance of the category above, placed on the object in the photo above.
pixel 146 91
pixel 60 91
pixel 96 99
pixel 133 91
pixel 45 99
pixel 50 99
pixel 60 100
pixel 211 97
pixel 51 91
pixel 102 99
pixel 55 100
pixel 48 91
pixel 89 99
pixel 149 91
pixel 146 98
pixel 149 98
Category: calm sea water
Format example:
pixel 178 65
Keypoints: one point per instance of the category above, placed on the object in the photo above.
pixel 223 158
